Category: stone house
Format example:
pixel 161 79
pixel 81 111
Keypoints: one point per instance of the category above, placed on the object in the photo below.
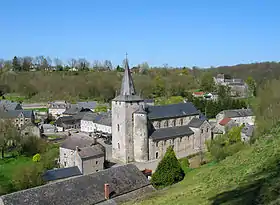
pixel 141 132
pixel 19 117
pixel 97 123
pixel 237 86
pixel 83 152
pixel 57 108
pixel 111 186
pixel 239 116
pixel 70 122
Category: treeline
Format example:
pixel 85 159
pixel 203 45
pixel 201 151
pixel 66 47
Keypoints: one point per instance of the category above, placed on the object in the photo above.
pixel 101 86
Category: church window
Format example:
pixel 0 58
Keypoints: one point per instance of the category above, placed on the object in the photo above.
pixel 166 123
pixel 156 155
pixel 118 127
pixel 119 146
pixel 181 121
pixel 174 123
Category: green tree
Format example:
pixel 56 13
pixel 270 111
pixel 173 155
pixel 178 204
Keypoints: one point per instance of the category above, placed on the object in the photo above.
pixel 252 86
pixel 223 92
pixel 16 64
pixel 207 82
pixel 119 69
pixel 169 170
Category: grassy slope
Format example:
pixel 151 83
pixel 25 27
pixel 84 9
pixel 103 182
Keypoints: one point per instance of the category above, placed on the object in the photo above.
pixel 210 184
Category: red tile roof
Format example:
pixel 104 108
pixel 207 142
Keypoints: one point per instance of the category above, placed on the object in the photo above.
pixel 198 93
pixel 224 121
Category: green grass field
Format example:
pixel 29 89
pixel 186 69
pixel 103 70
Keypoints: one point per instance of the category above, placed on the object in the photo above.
pixel 238 179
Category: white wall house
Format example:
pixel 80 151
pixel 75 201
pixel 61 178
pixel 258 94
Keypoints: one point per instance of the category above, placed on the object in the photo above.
pixel 238 116
pixel 57 108
pixel 93 122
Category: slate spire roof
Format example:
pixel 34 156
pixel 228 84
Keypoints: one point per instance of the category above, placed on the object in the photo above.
pixel 127 81
pixel 127 92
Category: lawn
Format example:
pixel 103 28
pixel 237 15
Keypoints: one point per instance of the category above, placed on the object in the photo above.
pixel 38 109
pixel 238 179
pixel 15 97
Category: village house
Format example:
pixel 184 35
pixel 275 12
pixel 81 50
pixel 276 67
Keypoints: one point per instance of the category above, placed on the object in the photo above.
pixel 141 132
pixel 57 108
pixel 239 116
pixel 70 122
pixel 237 86
pixel 111 186
pixel 84 152
pixel 97 123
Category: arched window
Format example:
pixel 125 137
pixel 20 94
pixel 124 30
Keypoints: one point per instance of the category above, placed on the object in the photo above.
pixel 181 121
pixel 118 127
pixel 174 123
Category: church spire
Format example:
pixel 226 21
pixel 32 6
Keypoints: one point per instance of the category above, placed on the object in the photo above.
pixel 127 82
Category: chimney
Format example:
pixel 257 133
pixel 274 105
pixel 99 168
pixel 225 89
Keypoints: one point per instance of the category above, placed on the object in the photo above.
pixel 106 191
pixel 94 140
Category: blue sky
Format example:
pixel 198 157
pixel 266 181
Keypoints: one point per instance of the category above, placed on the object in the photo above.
pixel 178 33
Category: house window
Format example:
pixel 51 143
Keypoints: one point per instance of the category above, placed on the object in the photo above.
pixel 156 155
pixel 164 142
pixel 181 121
pixel 119 146
pixel 96 162
pixel 201 131
pixel 165 123
pixel 118 127
pixel 174 123
pixel 173 140
pixel 65 164
pixel 181 139
pixel 207 130
pixel 156 144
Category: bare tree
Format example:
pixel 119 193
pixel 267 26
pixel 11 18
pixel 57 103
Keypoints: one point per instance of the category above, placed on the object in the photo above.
pixel 96 64
pixel 57 62
pixel 83 64
pixel 108 65
pixel 72 63
pixel 27 63
pixel 8 135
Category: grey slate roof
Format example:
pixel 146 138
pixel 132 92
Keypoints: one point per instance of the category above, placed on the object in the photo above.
pixel 82 190
pixel 104 119
pixel 87 105
pixel 171 132
pixel 172 110
pixel 93 151
pixel 72 110
pixel 238 113
pixel 61 173
pixel 127 92
pixel 6 105
pixel 196 122
pixel 81 141
pixel 90 116
pixel 15 113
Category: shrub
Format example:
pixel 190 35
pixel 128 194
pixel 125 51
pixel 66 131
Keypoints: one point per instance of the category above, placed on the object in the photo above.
pixel 32 145
pixel 36 158
pixel 169 170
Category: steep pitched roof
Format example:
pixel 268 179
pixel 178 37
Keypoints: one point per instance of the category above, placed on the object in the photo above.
pixel 82 190
pixel 6 105
pixel 238 113
pixel 15 113
pixel 61 173
pixel 90 116
pixel 173 110
pixel 171 132
pixel 196 122
pixel 127 92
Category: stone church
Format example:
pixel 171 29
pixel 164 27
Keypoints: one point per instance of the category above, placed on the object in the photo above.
pixel 142 132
